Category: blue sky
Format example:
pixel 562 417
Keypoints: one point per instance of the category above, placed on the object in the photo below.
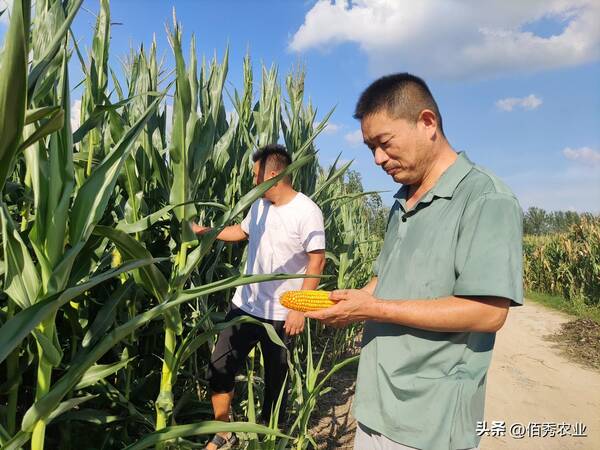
pixel 517 83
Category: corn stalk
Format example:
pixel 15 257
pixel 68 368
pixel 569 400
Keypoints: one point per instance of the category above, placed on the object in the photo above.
pixel 97 257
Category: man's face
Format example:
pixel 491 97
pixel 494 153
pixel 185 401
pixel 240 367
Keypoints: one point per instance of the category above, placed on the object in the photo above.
pixel 399 147
pixel 260 174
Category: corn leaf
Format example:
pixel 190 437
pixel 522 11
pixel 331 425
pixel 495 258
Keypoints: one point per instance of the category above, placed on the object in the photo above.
pixel 93 196
pixel 44 406
pixel 21 279
pixel 150 277
pixel 17 441
pixel 106 315
pixel 52 353
pixel 33 115
pixel 145 222
pixel 13 87
pixel 40 67
pixel 97 417
pixel 54 123
pixel 332 178
pixel 14 330
pixel 69 405
pixel 208 427
pixel 100 371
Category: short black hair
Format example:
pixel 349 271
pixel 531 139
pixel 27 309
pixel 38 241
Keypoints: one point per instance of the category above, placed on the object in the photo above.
pixel 401 95
pixel 274 155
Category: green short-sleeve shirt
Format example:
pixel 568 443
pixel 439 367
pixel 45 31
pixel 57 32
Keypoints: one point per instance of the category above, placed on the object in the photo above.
pixel 426 389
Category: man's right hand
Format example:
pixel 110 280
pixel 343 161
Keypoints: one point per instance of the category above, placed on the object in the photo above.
pixel 199 229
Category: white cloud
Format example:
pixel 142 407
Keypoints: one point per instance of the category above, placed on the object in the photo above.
pixel 456 38
pixel 528 103
pixel 75 114
pixel 5 4
pixel 332 128
pixel 354 138
pixel 585 155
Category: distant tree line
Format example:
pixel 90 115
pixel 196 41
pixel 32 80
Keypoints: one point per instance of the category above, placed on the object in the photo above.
pixel 537 221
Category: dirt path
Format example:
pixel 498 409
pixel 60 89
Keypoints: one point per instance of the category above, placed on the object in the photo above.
pixel 530 382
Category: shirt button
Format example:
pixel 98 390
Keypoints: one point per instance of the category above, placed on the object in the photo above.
pixel 403 219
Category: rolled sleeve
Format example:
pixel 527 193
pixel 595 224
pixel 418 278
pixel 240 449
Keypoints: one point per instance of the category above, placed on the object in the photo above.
pixel 489 256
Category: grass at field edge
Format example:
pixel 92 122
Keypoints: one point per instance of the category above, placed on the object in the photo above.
pixel 561 304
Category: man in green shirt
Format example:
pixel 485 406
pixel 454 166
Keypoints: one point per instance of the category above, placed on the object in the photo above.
pixel 450 267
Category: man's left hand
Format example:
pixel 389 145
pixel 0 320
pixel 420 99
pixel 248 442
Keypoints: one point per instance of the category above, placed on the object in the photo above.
pixel 352 306
pixel 294 324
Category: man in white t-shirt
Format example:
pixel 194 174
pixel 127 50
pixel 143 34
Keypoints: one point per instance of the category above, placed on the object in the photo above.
pixel 286 235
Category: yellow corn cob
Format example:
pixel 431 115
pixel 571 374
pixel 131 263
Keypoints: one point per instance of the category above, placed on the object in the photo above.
pixel 306 300
pixel 116 259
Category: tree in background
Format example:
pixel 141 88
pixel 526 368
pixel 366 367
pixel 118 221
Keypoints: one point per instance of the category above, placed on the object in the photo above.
pixel 537 221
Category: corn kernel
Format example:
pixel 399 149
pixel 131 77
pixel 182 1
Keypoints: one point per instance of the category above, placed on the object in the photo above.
pixel 306 300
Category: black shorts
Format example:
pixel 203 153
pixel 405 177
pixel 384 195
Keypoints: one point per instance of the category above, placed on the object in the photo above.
pixel 233 346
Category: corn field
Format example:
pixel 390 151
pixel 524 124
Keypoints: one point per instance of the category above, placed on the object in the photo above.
pixel 110 305
pixel 566 264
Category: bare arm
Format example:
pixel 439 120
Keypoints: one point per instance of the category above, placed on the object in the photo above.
pixel 445 314
pixel 294 323
pixel 315 266
pixel 452 314
pixel 232 233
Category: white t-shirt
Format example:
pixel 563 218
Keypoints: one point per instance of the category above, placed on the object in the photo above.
pixel 279 238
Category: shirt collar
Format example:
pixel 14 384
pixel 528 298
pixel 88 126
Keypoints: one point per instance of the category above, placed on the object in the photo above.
pixel 452 176
pixel 445 185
